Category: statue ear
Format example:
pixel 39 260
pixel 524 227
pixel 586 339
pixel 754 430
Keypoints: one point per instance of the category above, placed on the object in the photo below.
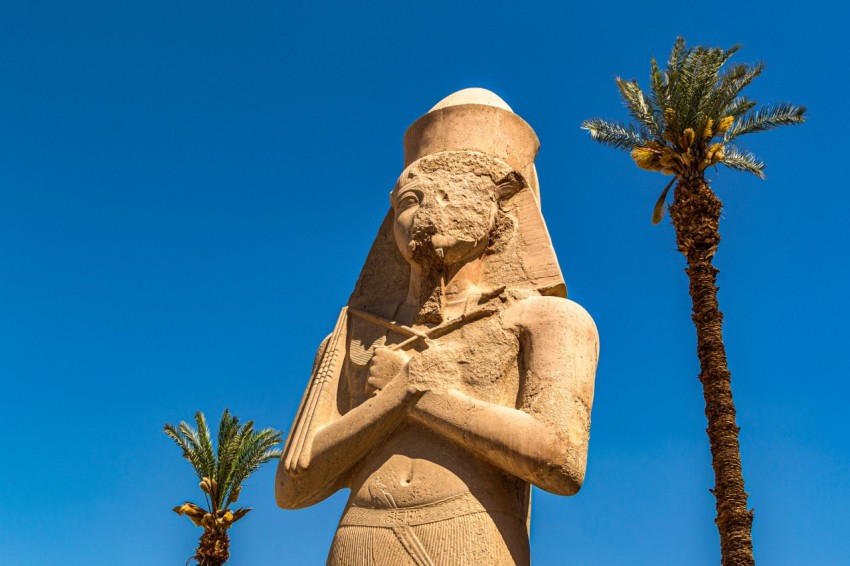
pixel 511 184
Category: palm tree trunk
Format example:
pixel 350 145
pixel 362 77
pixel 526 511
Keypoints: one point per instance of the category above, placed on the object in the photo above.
pixel 213 548
pixel 696 217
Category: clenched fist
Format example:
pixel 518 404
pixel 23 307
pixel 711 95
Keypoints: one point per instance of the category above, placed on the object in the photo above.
pixel 385 365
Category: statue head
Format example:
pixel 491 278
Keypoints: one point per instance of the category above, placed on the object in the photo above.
pixel 468 190
pixel 446 207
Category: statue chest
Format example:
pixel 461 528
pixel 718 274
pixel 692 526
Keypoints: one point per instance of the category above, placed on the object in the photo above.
pixel 480 359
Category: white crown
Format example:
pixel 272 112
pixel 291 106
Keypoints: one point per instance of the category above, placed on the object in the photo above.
pixel 473 119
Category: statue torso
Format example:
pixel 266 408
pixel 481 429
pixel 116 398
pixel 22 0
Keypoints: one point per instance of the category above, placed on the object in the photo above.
pixel 415 466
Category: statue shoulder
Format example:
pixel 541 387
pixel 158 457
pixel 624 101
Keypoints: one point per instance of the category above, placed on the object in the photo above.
pixel 545 314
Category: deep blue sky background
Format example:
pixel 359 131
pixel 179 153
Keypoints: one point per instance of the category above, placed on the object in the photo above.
pixel 188 190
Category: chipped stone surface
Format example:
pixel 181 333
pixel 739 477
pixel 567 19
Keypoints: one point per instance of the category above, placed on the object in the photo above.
pixel 459 374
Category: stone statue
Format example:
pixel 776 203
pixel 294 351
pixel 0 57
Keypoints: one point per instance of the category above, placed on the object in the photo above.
pixel 458 375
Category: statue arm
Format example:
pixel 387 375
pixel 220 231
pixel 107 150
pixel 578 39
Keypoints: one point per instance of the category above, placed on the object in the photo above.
pixel 544 440
pixel 332 449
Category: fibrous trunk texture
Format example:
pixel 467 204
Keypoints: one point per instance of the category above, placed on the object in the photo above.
pixel 696 217
pixel 213 548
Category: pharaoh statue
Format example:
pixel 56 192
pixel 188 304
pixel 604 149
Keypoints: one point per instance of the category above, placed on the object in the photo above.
pixel 458 374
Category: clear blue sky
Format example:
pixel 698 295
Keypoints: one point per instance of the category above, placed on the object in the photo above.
pixel 188 190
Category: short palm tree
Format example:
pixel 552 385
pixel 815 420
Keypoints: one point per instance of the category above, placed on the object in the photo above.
pixel 241 451
pixel 691 120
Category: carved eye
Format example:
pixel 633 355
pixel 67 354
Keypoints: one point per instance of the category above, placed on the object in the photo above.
pixel 408 200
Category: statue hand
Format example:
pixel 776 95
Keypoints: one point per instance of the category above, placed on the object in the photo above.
pixel 385 366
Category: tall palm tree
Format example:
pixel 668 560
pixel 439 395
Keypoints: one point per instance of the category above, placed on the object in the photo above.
pixel 691 120
pixel 241 451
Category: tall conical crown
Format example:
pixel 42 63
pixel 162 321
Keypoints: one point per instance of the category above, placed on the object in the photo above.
pixel 478 120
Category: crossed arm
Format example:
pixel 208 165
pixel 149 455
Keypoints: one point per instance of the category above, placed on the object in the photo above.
pixel 334 448
pixel 543 441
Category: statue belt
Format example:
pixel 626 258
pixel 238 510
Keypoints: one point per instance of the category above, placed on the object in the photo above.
pixel 451 508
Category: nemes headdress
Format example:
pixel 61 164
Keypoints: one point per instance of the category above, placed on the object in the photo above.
pixel 473 120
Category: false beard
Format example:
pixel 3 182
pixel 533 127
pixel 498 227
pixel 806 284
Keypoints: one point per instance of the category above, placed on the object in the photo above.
pixel 431 300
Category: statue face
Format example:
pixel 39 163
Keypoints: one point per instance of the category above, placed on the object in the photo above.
pixel 444 219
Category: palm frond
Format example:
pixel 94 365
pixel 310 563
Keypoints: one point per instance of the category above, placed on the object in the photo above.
pixel 615 134
pixel 738 106
pixel 681 84
pixel 697 77
pixel 193 441
pixel 722 99
pixel 257 449
pixel 241 512
pixel 737 78
pixel 190 452
pixel 639 105
pixel 709 97
pixel 228 446
pixel 768 118
pixel 658 210
pixel 205 443
pixel 743 161
pixel 658 93
pixel 241 438
pixel 194 512
pixel 677 55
